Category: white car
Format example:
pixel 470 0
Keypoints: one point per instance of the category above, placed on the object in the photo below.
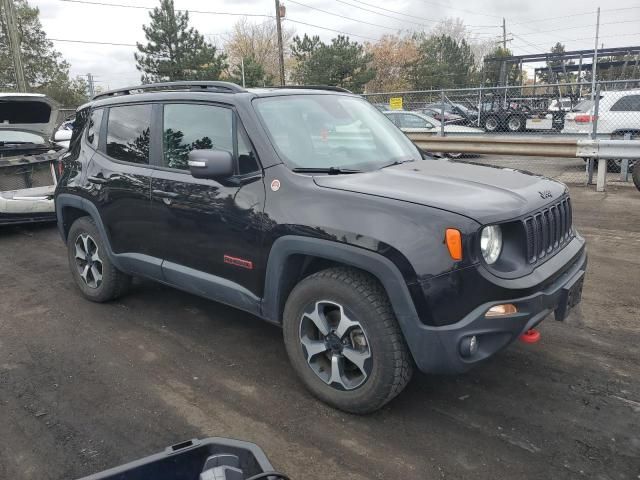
pixel 28 157
pixel 618 114
pixel 415 122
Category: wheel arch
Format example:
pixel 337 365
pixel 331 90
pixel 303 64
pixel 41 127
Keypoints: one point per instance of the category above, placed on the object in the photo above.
pixel 295 257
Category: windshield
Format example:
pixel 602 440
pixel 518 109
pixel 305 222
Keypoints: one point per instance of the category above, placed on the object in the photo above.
pixel 18 136
pixel 322 131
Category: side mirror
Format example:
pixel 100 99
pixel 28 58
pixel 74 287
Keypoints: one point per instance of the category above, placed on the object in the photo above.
pixel 212 164
pixel 62 135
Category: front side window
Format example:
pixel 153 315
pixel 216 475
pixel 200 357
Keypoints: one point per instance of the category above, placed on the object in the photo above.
pixel 195 127
pixel 93 129
pixel 630 103
pixel 129 133
pixel 322 131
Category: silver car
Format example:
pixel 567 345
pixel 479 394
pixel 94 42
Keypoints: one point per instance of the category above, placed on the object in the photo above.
pixel 416 122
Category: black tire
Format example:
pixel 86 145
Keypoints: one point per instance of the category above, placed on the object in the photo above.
pixel 515 123
pixel 635 174
pixel 455 155
pixel 113 282
pixel 492 123
pixel 391 365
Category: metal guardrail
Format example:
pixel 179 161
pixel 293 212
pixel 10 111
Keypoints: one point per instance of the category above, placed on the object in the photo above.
pixel 529 146
pixel 588 149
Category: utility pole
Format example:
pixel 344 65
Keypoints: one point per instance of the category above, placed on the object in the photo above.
pixel 14 43
pixel 242 67
pixel 280 13
pixel 90 82
pixel 595 58
pixel 504 33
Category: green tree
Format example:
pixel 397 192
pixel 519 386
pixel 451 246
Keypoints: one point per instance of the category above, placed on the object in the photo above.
pixel 175 51
pixel 342 63
pixel 254 74
pixel 44 69
pixel 442 62
pixel 491 75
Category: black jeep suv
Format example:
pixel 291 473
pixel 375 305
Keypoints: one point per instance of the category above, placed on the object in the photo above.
pixel 311 210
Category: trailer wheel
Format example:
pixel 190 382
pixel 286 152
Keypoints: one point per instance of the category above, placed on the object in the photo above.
pixel 491 123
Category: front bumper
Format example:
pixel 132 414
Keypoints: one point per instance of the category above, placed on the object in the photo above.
pixel 437 349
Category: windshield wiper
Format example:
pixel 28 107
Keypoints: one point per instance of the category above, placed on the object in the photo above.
pixel 397 162
pixel 329 170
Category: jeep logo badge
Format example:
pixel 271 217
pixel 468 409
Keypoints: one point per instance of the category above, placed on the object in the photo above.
pixel 545 194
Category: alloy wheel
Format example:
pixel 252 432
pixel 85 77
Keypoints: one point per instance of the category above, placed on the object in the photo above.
pixel 514 124
pixel 88 261
pixel 491 124
pixel 335 345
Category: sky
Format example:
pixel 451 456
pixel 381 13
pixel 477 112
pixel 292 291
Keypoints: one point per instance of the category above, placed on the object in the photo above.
pixel 532 26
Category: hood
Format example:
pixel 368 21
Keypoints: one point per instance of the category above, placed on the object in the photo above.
pixel 28 111
pixel 483 193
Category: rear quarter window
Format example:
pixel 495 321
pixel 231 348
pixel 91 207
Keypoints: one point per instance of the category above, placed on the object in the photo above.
pixel 629 103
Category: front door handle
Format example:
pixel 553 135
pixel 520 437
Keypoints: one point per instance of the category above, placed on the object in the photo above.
pixel 163 194
pixel 97 180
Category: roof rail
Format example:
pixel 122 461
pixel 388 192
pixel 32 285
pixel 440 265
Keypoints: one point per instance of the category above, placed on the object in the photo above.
pixel 315 87
pixel 214 86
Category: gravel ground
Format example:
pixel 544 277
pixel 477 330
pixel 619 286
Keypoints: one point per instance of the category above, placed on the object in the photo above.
pixel 85 386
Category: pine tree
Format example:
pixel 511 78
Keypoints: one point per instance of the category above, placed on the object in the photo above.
pixel 175 51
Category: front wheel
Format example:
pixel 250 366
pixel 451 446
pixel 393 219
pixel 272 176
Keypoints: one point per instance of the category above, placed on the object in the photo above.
pixel 344 342
pixel 491 124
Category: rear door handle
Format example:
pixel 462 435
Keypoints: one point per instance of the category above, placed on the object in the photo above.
pixel 163 194
pixel 97 180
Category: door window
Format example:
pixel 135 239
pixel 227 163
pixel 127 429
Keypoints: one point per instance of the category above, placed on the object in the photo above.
pixel 129 133
pixel 203 127
pixel 630 103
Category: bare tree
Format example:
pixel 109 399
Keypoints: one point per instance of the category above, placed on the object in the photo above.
pixel 258 41
pixel 392 55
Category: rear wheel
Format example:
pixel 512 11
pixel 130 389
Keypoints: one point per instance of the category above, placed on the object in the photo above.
pixel 515 123
pixel 344 342
pixel 96 277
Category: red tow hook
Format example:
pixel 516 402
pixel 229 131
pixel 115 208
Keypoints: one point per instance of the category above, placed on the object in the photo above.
pixel 530 336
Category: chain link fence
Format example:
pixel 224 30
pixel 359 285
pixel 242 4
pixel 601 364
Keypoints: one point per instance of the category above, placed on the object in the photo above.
pixel 608 109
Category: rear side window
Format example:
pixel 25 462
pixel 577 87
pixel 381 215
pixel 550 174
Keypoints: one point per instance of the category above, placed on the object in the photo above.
pixel 129 133
pixel 630 103
pixel 93 129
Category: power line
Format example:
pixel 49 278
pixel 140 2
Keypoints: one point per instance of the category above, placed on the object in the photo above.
pixel 579 26
pixel 589 38
pixel 139 7
pixel 93 43
pixel 341 16
pixel 390 11
pixel 462 10
pixel 331 29
pixel 579 14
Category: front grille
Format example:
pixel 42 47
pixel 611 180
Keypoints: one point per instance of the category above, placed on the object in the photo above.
pixel 548 230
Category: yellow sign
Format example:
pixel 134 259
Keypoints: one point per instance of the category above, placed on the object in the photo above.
pixel 395 103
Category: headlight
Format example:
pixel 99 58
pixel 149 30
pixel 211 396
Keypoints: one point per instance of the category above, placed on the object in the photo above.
pixel 491 243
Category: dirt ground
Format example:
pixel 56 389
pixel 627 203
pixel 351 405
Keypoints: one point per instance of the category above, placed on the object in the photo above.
pixel 85 386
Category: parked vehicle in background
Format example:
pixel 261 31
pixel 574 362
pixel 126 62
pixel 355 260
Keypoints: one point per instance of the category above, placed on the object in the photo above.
pixel 449 118
pixel 28 157
pixel 310 209
pixel 469 115
pixel 564 104
pixel 415 122
pixel 618 115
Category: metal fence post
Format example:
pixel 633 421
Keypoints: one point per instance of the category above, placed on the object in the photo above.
pixel 624 164
pixel 442 114
pixel 601 180
pixel 479 104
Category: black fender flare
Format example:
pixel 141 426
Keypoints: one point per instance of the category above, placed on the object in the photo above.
pixel 371 262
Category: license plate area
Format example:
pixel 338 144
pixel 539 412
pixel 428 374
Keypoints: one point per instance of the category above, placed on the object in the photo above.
pixel 570 297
